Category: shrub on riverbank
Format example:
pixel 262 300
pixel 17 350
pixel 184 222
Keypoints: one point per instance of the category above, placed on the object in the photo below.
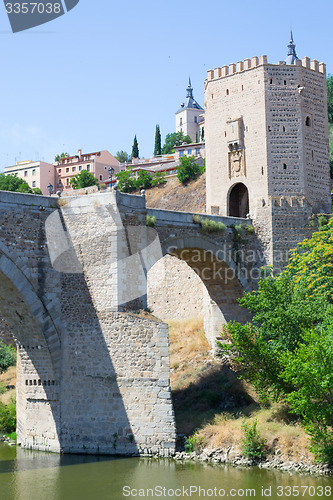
pixel 8 417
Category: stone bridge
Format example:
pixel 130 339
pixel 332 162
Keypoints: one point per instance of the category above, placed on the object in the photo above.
pixel 93 375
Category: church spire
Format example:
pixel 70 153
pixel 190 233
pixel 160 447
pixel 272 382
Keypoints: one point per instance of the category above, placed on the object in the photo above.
pixel 291 50
pixel 189 90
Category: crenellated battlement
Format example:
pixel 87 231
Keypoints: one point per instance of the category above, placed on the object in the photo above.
pixel 249 64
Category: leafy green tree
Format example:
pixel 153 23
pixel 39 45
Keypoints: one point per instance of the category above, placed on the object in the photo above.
pixel 143 180
pixel 122 156
pixel 330 98
pixel 188 169
pixel 7 357
pixel 158 179
pixel 158 145
pixel 14 183
pixel 202 134
pixel 83 179
pixel 175 139
pixel 8 417
pixel 60 157
pixel 286 352
pixel 36 191
pixel 126 181
pixel 135 148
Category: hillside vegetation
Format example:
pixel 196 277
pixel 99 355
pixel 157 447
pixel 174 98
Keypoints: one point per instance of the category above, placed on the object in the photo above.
pixel 211 401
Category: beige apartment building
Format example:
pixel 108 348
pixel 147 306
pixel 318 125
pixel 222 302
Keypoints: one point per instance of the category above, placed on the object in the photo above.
pixel 38 174
pixel 97 163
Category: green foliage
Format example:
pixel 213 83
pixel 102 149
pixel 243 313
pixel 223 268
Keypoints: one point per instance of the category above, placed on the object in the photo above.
pixel 202 134
pixel 60 157
pixel 194 443
pixel 287 350
pixel 83 179
pixel 135 148
pixel 8 417
pixel 175 139
pixel 122 156
pixel 158 179
pixel 126 181
pixel 150 221
pixel 7 357
pixel 331 149
pixel 253 445
pixel 12 436
pixel 249 229
pixel 143 180
pixel 2 388
pixel 210 226
pixel 36 191
pixel 330 98
pixel 13 183
pixel 188 169
pixel 322 223
pixel 158 145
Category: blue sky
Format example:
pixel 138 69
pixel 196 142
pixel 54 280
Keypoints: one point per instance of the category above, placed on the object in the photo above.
pixel 107 70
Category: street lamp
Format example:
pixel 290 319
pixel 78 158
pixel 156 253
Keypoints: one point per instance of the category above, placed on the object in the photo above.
pixel 111 172
pixel 50 188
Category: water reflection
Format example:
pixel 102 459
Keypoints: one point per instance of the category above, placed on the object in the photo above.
pixel 30 475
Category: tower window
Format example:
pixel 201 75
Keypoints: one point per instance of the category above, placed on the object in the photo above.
pixel 262 170
pixel 284 128
pixel 227 91
pixel 285 82
pixel 271 81
pixel 181 121
pixel 242 87
pixel 284 166
pixel 195 119
pixel 308 121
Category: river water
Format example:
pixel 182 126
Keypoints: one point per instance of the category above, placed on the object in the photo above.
pixel 27 475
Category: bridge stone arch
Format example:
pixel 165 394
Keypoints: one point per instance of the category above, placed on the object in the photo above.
pixel 39 349
pixel 223 279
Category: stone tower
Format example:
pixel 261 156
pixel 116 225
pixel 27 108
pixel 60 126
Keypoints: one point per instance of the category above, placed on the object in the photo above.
pixel 188 117
pixel 266 130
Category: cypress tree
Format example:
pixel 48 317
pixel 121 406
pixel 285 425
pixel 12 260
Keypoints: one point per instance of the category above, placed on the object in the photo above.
pixel 135 148
pixel 158 147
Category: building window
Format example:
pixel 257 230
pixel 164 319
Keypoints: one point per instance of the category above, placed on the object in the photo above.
pixel 67 181
pixel 88 168
pixel 181 121
pixel 195 119
pixel 33 171
pixel 285 82
pixel 197 151
pixel 308 121
pixel 227 91
pixel 271 81
pixel 67 170
pixel 80 168
pixel 100 177
pixel 25 173
pixel 73 169
pixel 189 152
pixel 284 166
pixel 59 171
pixel 33 184
pixel 181 153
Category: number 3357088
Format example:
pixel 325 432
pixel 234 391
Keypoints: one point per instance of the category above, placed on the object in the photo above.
pixel 33 8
